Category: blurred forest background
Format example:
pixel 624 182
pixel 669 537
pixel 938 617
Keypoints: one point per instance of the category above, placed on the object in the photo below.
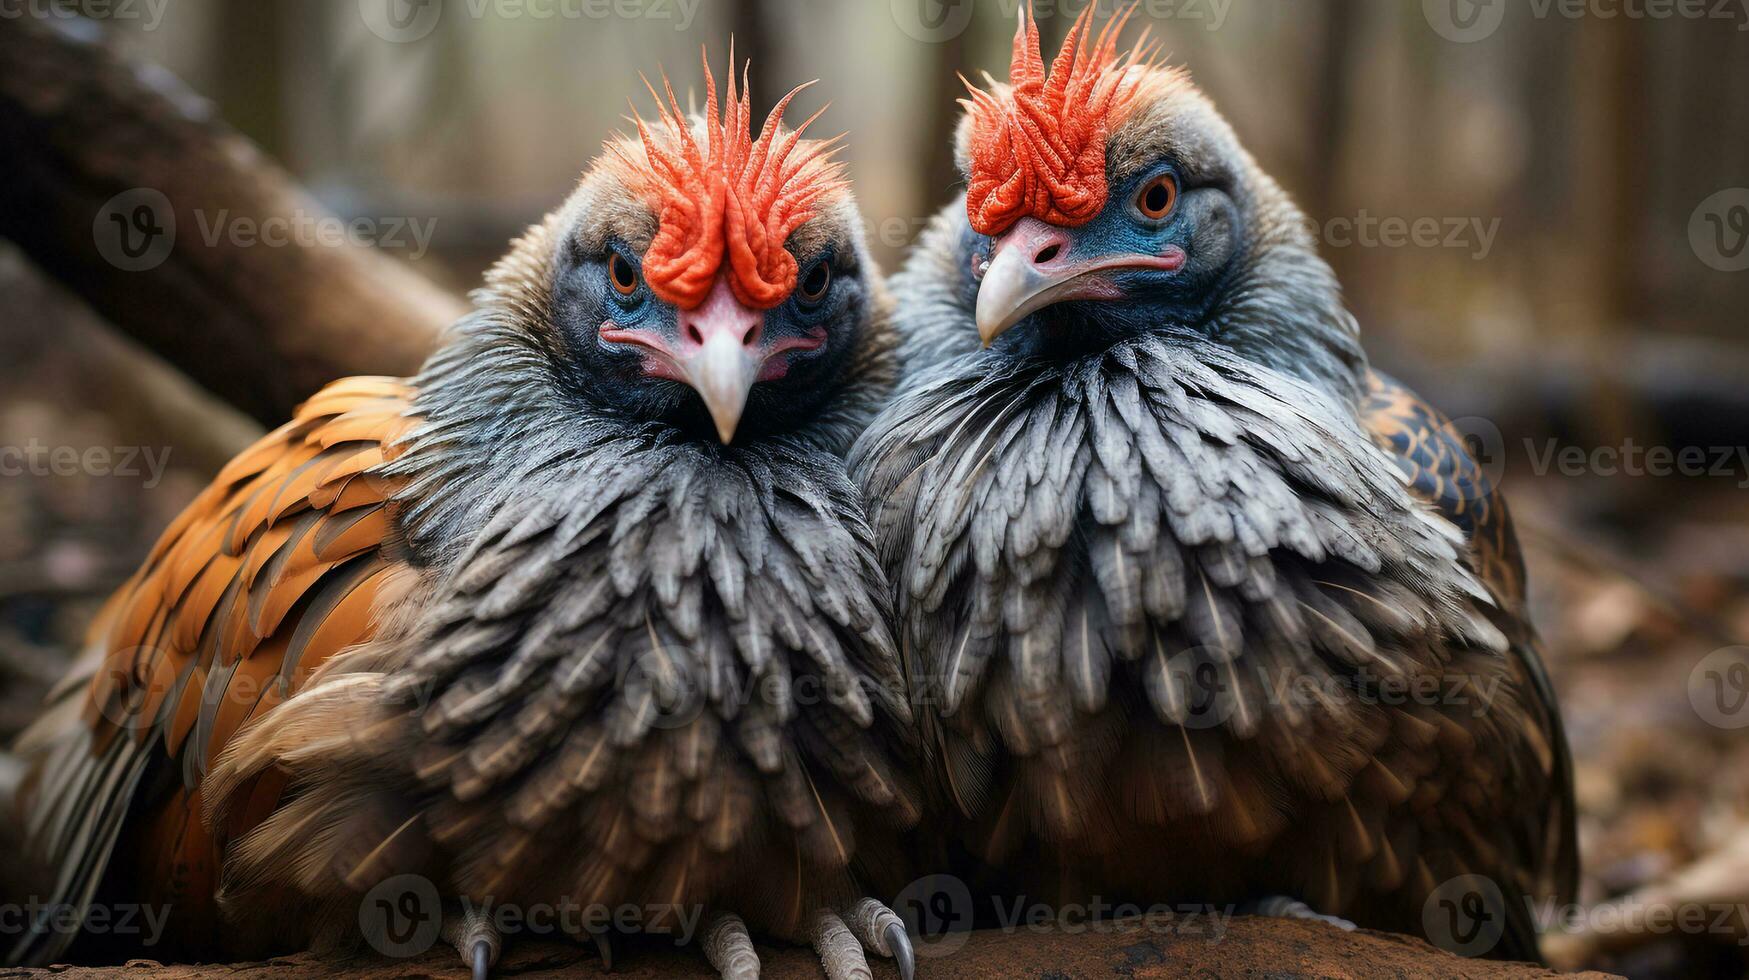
pixel 1538 209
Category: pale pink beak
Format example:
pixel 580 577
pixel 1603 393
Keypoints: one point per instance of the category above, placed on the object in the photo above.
pixel 720 353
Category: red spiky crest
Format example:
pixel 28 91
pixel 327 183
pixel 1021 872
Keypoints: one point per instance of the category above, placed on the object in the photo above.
pixel 1039 149
pixel 731 204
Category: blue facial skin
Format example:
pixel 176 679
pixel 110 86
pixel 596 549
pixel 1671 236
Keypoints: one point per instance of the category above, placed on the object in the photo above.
pixel 611 376
pixel 1204 223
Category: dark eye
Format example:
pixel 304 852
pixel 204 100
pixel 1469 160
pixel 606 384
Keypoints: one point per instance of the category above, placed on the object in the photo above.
pixel 1157 197
pixel 621 274
pixel 815 283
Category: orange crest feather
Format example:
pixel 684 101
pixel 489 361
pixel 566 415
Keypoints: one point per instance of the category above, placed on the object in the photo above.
pixel 729 205
pixel 1040 150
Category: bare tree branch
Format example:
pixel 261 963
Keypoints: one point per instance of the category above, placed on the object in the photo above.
pixel 112 166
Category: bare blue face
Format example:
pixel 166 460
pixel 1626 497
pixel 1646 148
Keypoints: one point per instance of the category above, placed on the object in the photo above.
pixel 720 366
pixel 1156 256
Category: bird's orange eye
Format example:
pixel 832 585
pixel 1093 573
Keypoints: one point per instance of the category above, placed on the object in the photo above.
pixel 621 274
pixel 1157 197
pixel 815 283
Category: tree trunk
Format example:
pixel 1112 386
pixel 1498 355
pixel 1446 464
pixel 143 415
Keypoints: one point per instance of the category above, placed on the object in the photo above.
pixel 122 185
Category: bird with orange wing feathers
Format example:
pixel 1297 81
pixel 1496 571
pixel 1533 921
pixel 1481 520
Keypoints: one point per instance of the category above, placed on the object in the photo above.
pixel 1200 607
pixel 586 614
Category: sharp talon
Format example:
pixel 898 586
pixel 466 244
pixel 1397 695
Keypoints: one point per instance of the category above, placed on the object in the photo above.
pixel 482 959
pixel 900 943
pixel 880 930
pixel 473 936
pixel 603 946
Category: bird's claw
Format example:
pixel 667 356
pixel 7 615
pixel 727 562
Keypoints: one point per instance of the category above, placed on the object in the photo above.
pixel 867 925
pixel 1283 907
pixel 474 937
pixel 899 942
pixel 729 948
pixel 839 938
pixel 603 946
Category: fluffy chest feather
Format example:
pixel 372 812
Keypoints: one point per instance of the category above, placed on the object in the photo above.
pixel 1132 525
pixel 657 667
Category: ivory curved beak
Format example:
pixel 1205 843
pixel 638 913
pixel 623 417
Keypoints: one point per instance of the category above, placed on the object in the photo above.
pixel 1014 288
pixel 720 352
pixel 722 370
pixel 1036 265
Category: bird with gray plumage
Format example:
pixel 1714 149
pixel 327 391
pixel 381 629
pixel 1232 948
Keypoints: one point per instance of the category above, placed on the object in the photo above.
pixel 1199 607
pixel 586 616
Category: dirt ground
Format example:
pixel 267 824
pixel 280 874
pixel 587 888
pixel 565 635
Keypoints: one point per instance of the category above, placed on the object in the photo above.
pixel 1261 948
